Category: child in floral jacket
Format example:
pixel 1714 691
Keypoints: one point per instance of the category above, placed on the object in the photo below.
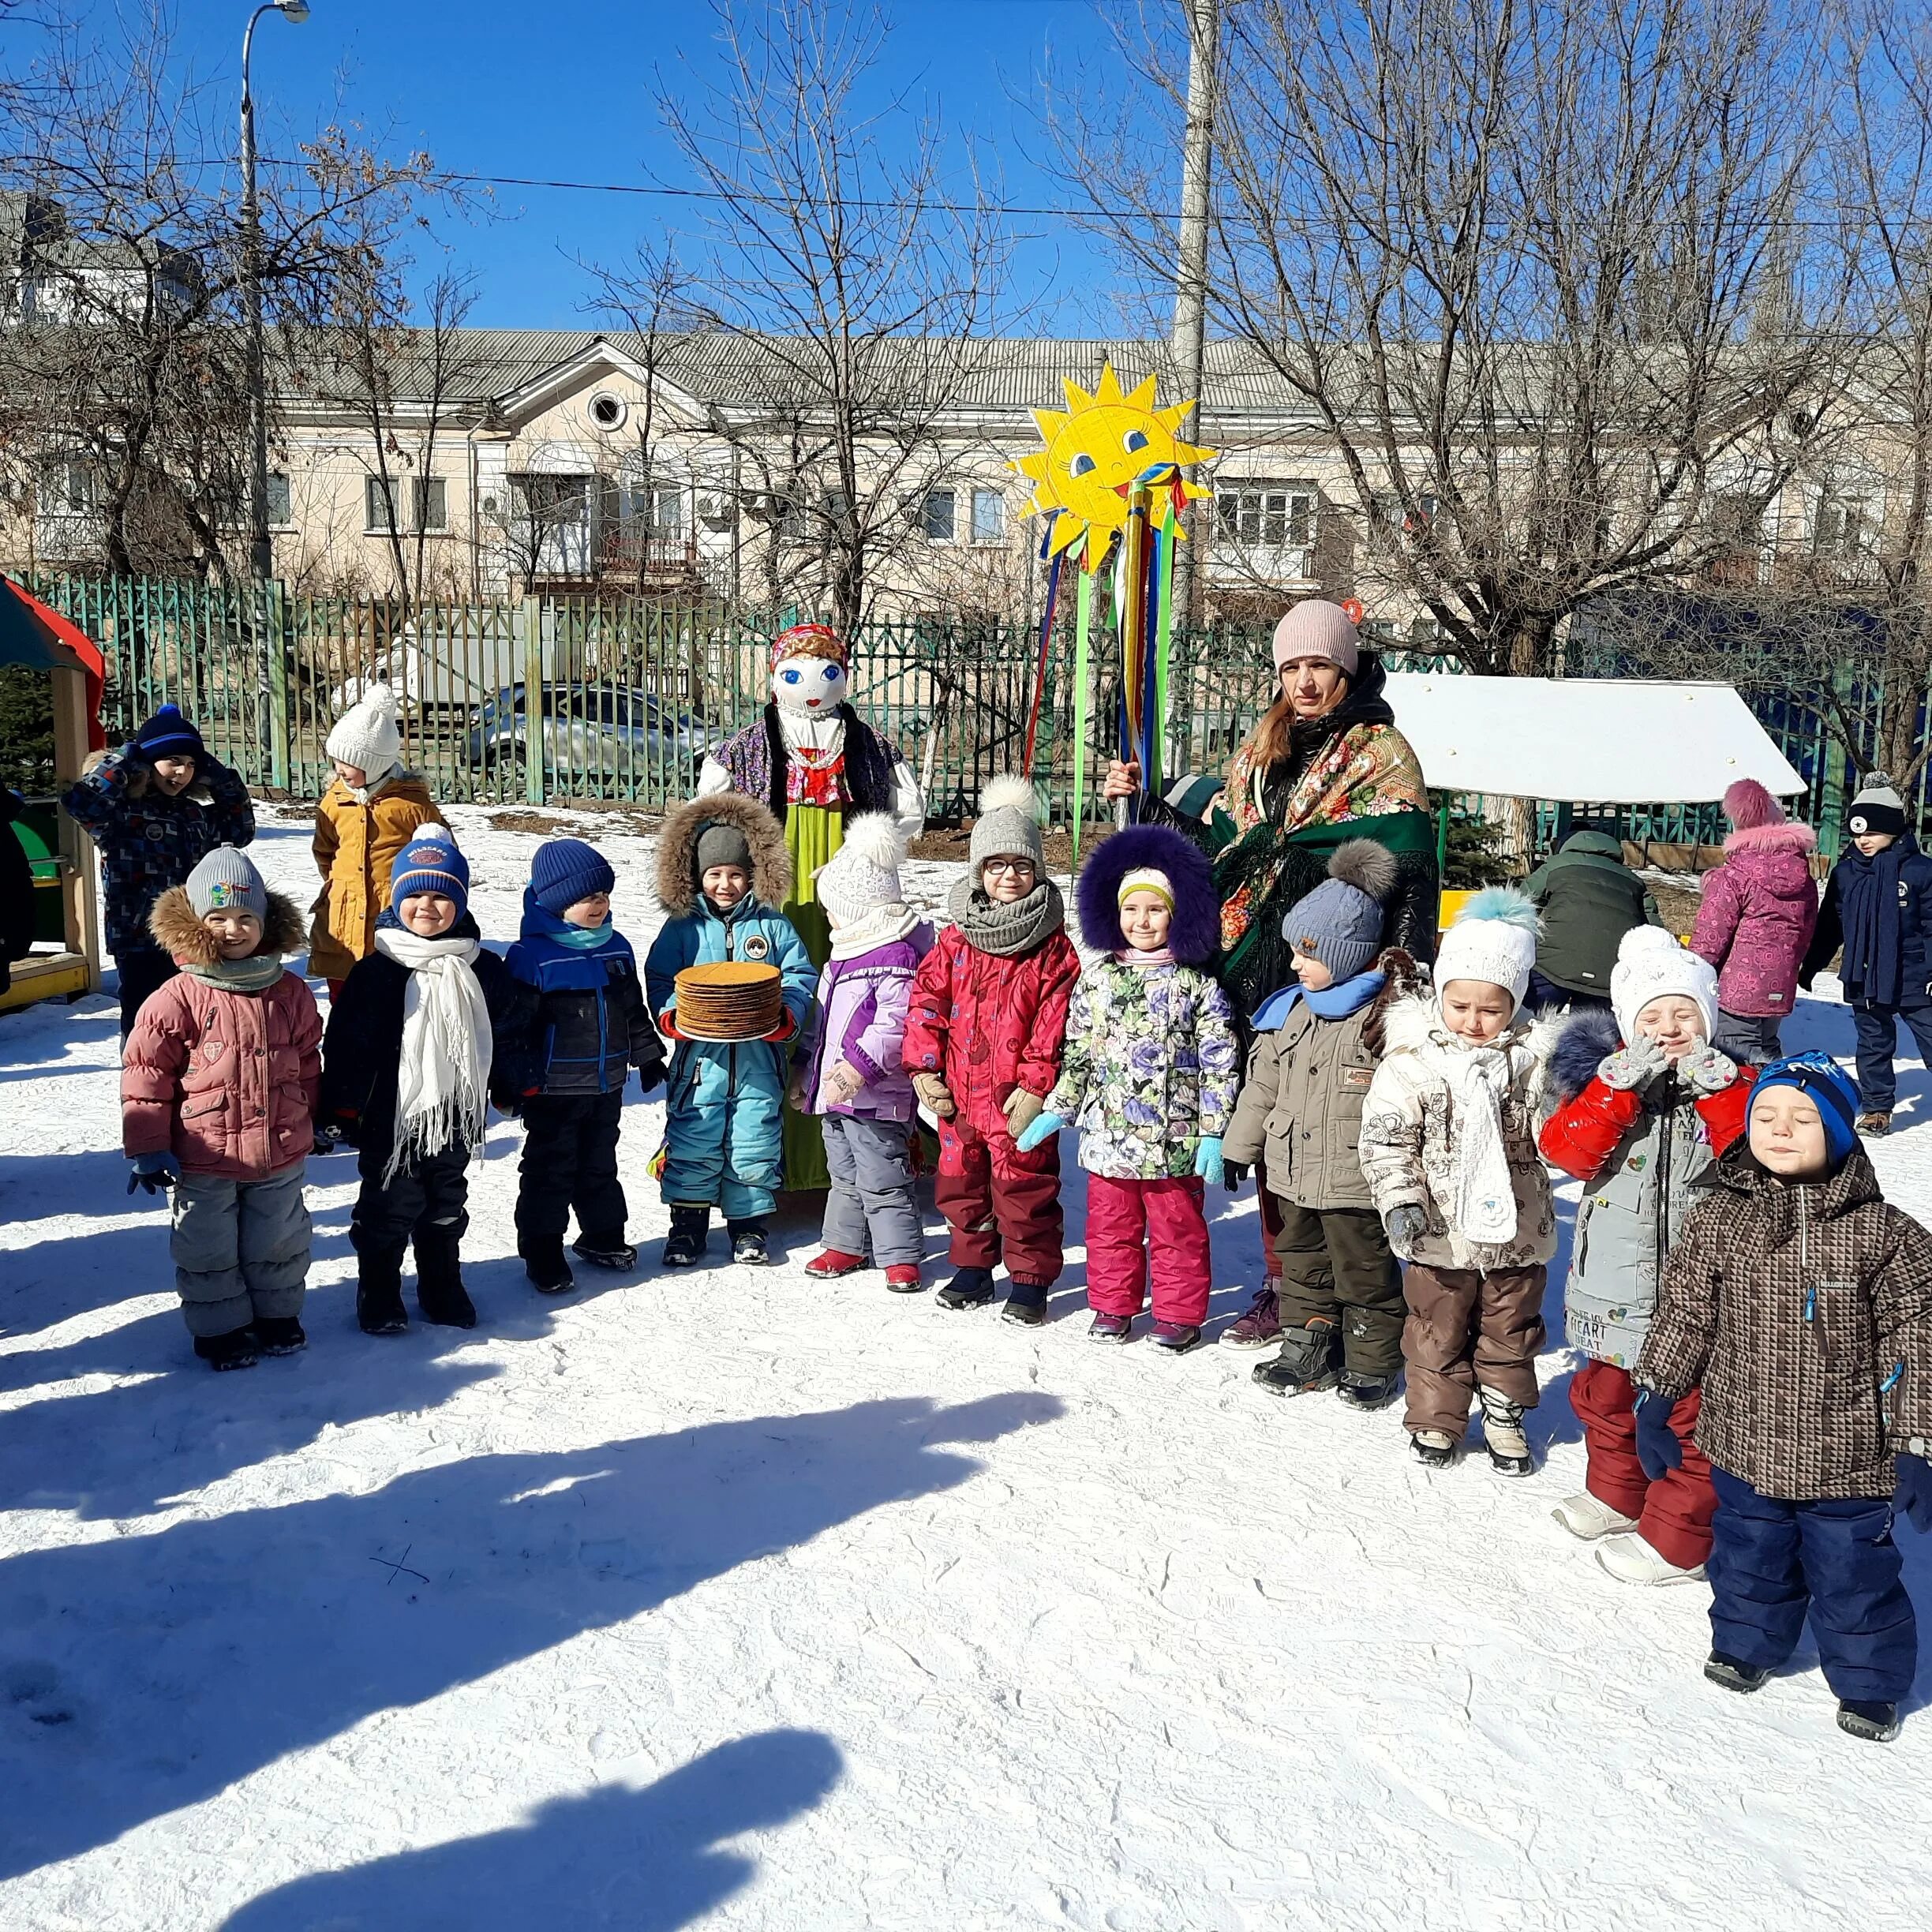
pixel 1149 1080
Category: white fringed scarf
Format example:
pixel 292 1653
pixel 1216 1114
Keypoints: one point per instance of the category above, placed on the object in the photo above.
pixel 1485 1190
pixel 444 1075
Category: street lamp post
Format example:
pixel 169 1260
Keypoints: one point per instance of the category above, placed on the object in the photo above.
pixel 261 549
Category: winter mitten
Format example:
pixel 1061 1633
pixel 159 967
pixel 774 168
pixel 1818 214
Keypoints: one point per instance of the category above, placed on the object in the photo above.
pixel 798 1091
pixel 1914 1495
pixel 650 1077
pixel 1632 1066
pixel 328 1139
pixel 1207 1162
pixel 154 1173
pixel 1234 1172
pixel 934 1095
pixel 1658 1449
pixel 1044 1128
pixel 1022 1110
pixel 1705 1070
pixel 1405 1226
pixel 845 1083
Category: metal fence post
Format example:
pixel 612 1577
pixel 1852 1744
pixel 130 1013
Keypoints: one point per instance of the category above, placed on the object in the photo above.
pixel 533 700
pixel 275 643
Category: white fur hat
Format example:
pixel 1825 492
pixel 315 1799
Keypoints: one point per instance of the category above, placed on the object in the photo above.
pixel 1493 940
pixel 864 873
pixel 1651 964
pixel 366 735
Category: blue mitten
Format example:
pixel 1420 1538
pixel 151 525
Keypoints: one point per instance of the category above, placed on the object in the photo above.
pixel 1208 1163
pixel 1914 1495
pixel 1044 1128
pixel 155 1173
pixel 1658 1449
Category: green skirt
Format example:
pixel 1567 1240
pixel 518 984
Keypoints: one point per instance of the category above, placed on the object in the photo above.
pixel 813 833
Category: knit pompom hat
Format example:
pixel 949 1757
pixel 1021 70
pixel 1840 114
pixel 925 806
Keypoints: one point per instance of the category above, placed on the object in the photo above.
pixel 864 873
pixel 1008 826
pixel 431 862
pixel 1825 1083
pixel 226 880
pixel 1877 808
pixel 1317 628
pixel 1493 940
pixel 167 734
pixel 1340 922
pixel 1750 806
pixel 1652 965
pixel 566 870
pixel 367 735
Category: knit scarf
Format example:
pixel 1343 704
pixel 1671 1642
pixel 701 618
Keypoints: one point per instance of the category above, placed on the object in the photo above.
pixel 256 974
pixel 1485 1194
pixel 1007 928
pixel 583 938
pixel 1146 962
pixel 1868 905
pixel 880 926
pixel 444 1070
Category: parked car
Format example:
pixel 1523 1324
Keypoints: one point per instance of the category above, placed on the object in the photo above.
pixel 608 729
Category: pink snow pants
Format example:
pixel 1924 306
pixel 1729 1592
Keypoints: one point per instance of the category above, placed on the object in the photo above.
pixel 1125 1218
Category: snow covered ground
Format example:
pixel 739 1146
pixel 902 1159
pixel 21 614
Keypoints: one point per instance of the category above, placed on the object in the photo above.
pixel 729 1598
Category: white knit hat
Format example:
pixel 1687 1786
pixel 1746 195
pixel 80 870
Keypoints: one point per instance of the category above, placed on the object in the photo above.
pixel 1493 940
pixel 366 735
pixel 864 873
pixel 1651 964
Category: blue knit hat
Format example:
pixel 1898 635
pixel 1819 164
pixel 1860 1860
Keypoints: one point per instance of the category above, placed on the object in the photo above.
pixel 167 734
pixel 566 870
pixel 1822 1079
pixel 430 863
pixel 1340 922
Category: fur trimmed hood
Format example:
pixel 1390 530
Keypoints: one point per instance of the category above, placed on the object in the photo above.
pixel 1413 1022
pixel 1195 937
pixel 1786 837
pixel 188 942
pixel 677 849
pixel 1583 1041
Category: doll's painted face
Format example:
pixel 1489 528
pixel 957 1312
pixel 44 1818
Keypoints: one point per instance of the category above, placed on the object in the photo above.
pixel 1145 917
pixel 1787 1133
pixel 1674 1023
pixel 810 687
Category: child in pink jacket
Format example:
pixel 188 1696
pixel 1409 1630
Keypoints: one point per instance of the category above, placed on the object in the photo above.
pixel 218 1086
pixel 1756 918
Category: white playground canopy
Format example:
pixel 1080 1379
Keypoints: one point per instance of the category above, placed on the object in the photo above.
pixel 1608 740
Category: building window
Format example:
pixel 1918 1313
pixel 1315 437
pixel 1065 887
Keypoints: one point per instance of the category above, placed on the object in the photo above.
pixel 938 515
pixel 431 505
pixel 1268 516
pixel 1845 523
pixel 281 509
pixel 67 487
pixel 1394 526
pixel 379 506
pixel 988 516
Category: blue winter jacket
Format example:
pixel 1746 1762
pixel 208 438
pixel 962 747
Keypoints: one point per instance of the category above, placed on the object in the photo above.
pixel 581 1010
pixel 724 1102
pixel 1901 973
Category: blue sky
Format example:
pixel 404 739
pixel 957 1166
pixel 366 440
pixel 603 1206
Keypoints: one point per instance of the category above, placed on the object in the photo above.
pixel 566 89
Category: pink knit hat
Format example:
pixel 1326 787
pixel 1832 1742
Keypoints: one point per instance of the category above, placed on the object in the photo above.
pixel 1317 628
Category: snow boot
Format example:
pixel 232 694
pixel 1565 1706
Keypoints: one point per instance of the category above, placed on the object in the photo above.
pixel 971 1288
pixel 379 1294
pixel 1026 1304
pixel 1366 1391
pixel 1176 1338
pixel 1306 1362
pixel 1630 1559
pixel 1587 1519
pixel 543 1263
pixel 280 1335
pixel 1874 1126
pixel 691 1227
pixel 903 1278
pixel 1109 1328
pixel 749 1246
pixel 606 1249
pixel 235 1349
pixel 1503 1434
pixel 1877 1724
pixel 1260 1327
pixel 1734 1675
pixel 440 1291
pixel 1432 1448
pixel 833 1264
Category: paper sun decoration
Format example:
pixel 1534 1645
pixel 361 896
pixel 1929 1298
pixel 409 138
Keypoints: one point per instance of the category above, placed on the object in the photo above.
pixel 1098 449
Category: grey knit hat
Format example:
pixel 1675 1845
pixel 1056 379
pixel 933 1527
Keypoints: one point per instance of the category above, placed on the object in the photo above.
pixel 226 880
pixel 1877 808
pixel 1340 922
pixel 719 844
pixel 1008 826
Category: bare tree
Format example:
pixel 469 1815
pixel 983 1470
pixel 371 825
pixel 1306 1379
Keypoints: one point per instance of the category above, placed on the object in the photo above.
pixel 844 281
pixel 1526 269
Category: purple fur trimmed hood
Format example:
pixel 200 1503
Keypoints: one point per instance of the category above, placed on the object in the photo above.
pixel 1196 935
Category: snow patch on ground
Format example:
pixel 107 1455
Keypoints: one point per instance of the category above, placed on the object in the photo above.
pixel 731 1597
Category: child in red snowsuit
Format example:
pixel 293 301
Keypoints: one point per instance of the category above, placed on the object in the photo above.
pixel 983 1043
pixel 1647 1105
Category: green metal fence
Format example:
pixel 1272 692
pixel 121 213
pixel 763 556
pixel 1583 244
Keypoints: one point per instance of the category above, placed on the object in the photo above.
pixel 546 699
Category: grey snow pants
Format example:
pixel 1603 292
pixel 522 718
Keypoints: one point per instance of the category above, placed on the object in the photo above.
pixel 870 1209
pixel 241 1250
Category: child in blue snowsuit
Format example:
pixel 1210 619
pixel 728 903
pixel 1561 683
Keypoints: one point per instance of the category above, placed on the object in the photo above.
pixel 722 872
pixel 581 1007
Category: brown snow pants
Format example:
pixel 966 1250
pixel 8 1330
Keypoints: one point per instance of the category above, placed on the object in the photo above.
pixel 1468 1330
